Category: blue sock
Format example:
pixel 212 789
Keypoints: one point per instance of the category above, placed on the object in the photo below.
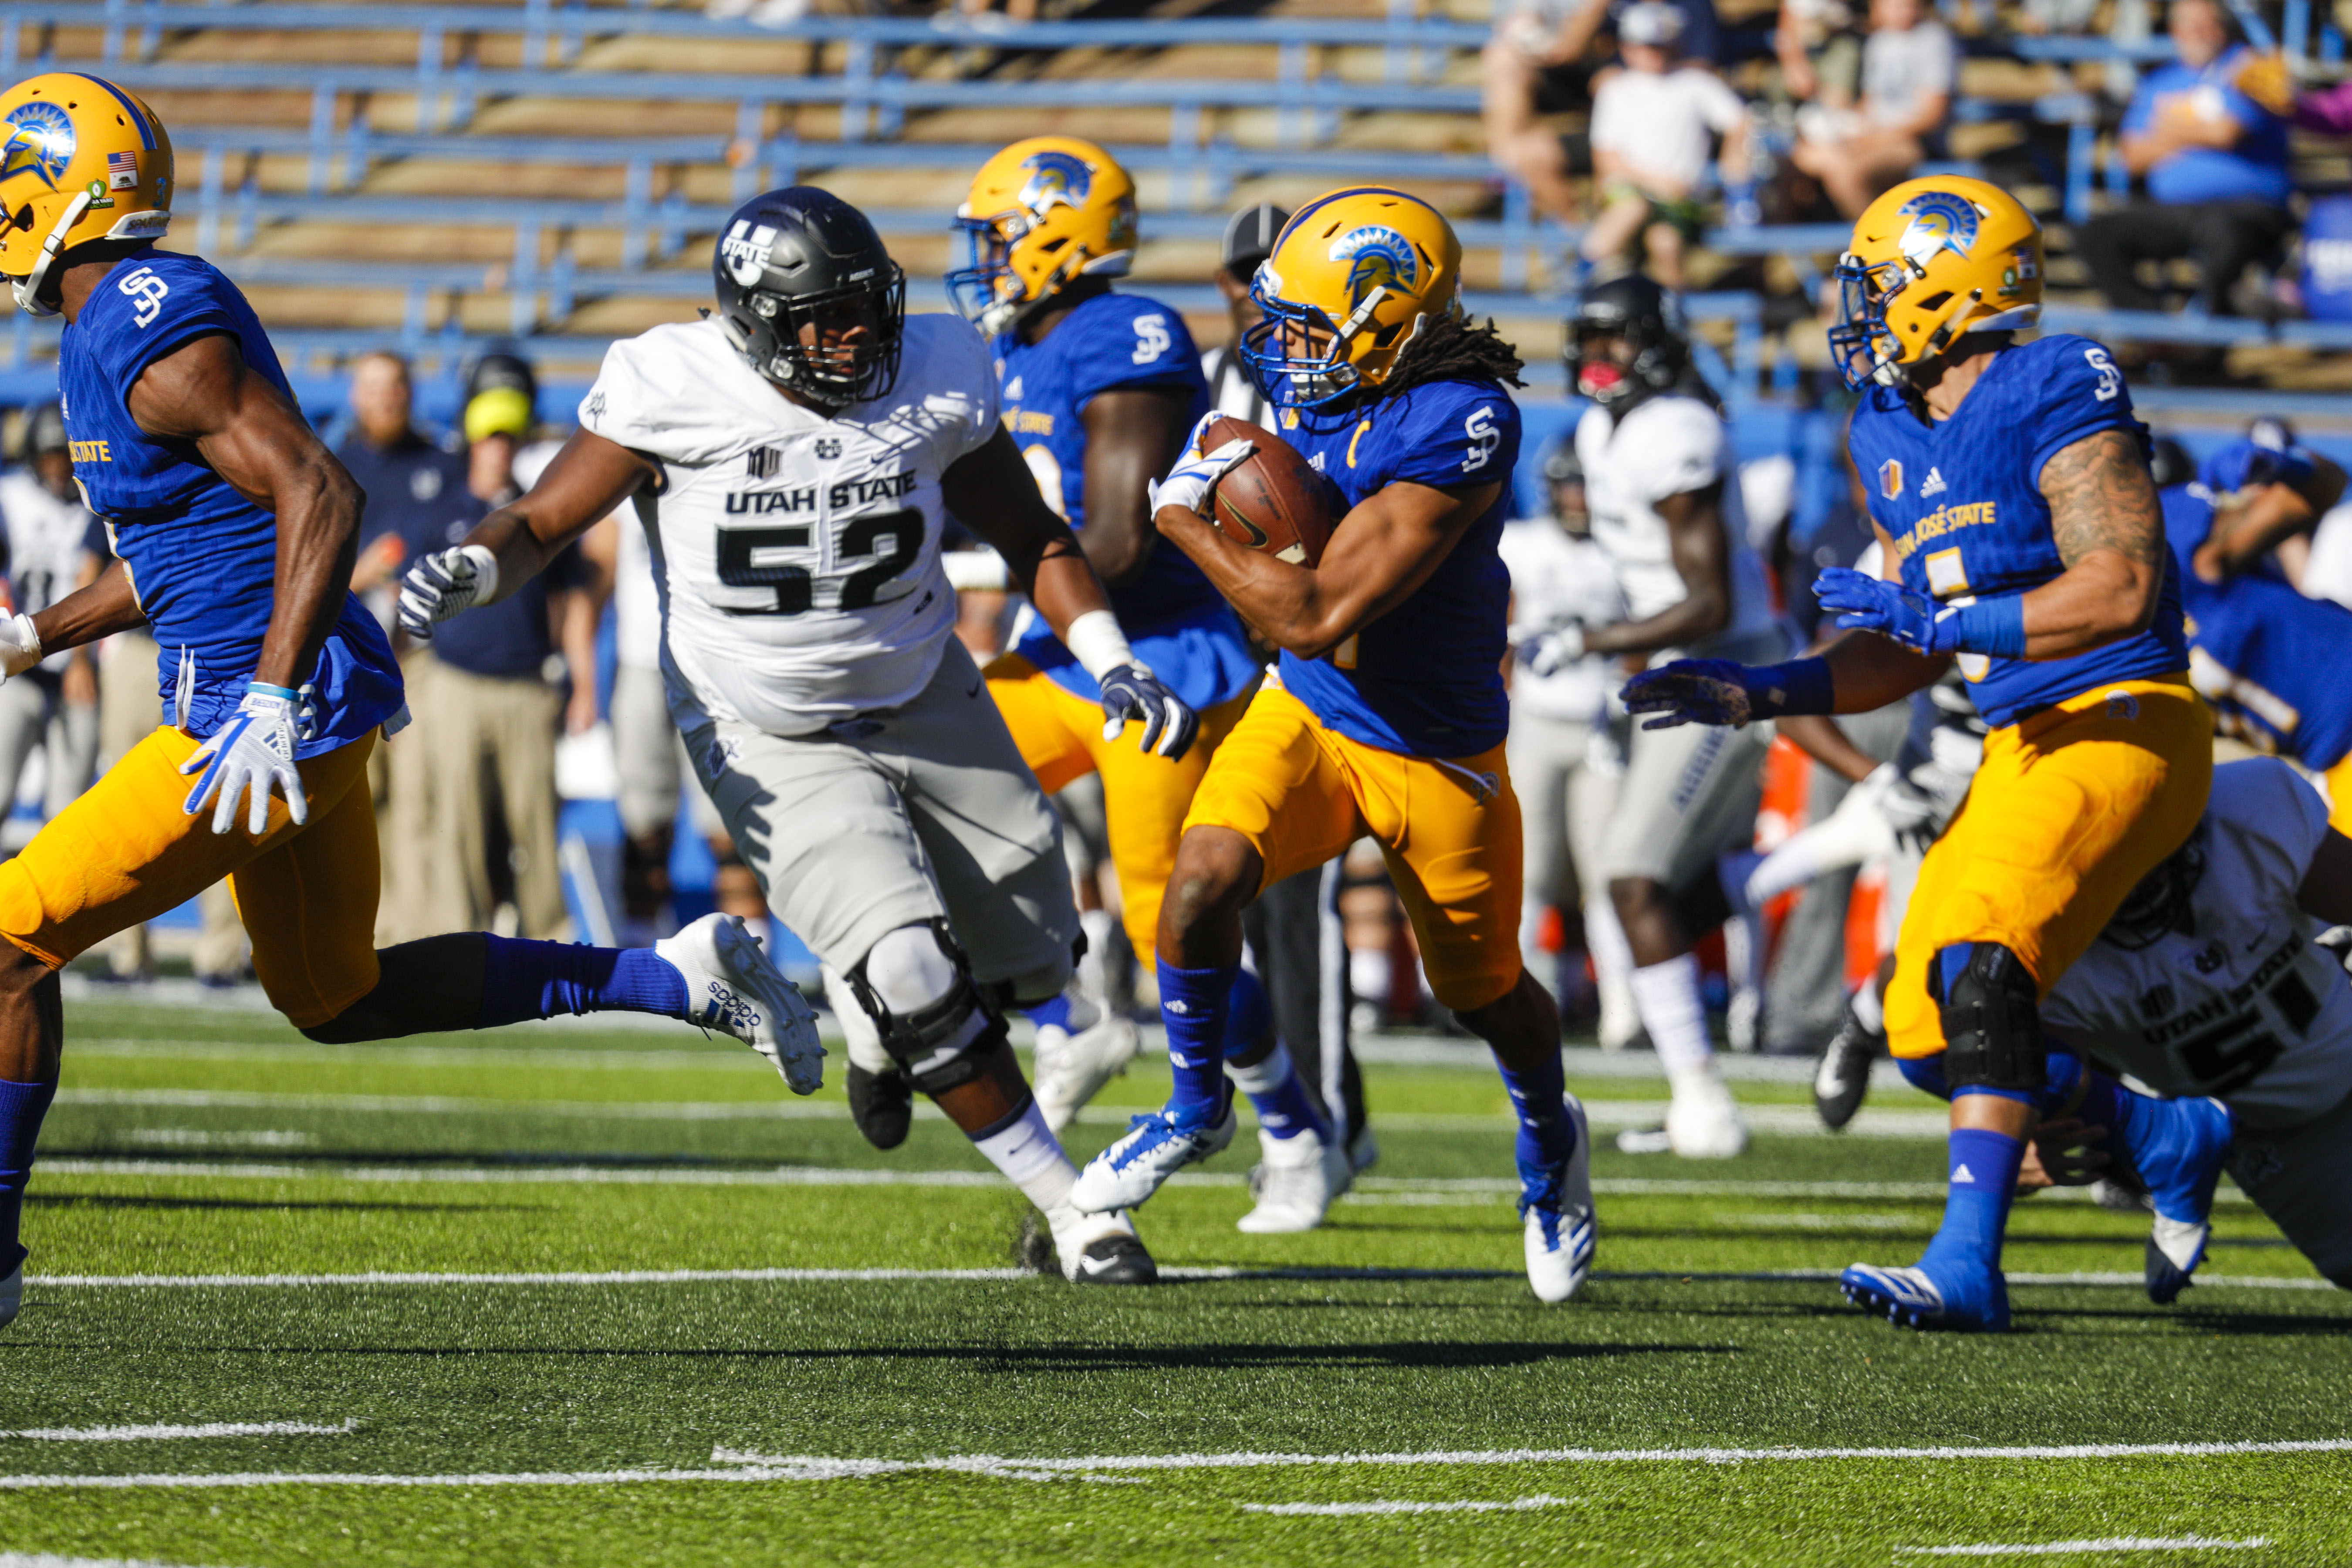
pixel 1983 1176
pixel 525 980
pixel 1054 1013
pixel 1547 1137
pixel 1194 1004
pixel 22 1106
pixel 1284 1107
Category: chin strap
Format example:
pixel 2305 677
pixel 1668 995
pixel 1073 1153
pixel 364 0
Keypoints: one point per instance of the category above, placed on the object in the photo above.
pixel 28 288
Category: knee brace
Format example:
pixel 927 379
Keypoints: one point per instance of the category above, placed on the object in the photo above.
pixel 1991 1016
pixel 915 986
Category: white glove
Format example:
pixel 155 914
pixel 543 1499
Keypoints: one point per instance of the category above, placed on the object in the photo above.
pixel 1548 652
pixel 1188 482
pixel 20 646
pixel 1909 810
pixel 247 757
pixel 440 584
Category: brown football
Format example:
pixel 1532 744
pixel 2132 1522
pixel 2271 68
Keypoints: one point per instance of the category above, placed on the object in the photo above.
pixel 1273 500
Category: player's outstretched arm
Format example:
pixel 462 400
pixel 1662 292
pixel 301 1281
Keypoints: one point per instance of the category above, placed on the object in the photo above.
pixel 1387 546
pixel 583 484
pixel 99 608
pixel 1134 435
pixel 993 493
pixel 2274 513
pixel 1701 552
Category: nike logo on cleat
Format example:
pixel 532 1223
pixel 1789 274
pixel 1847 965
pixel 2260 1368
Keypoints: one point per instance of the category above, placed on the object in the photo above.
pixel 1096 1265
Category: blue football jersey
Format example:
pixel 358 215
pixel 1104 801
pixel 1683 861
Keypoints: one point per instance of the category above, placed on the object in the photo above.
pixel 1179 623
pixel 201 557
pixel 1425 678
pixel 1962 500
pixel 2277 666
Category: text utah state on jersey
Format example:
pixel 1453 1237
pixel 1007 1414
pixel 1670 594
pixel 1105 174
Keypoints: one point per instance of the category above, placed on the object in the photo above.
pixel 762 462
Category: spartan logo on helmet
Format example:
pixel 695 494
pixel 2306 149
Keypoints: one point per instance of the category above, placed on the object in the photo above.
pixel 746 248
pixel 1056 179
pixel 1379 259
pixel 1938 221
pixel 40 140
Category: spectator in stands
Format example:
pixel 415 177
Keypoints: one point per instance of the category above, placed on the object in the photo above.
pixel 1819 45
pixel 1910 71
pixel 1534 66
pixel 2216 165
pixel 486 730
pixel 1651 126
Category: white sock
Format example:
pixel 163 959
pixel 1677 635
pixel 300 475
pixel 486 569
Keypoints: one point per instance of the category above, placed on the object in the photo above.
pixel 1743 951
pixel 1031 1158
pixel 1869 1007
pixel 1667 996
pixel 1263 1076
pixel 1612 960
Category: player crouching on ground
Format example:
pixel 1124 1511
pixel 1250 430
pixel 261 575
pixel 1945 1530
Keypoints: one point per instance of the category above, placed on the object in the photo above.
pixel 2009 486
pixel 1387 712
pixel 240 528
pixel 794 458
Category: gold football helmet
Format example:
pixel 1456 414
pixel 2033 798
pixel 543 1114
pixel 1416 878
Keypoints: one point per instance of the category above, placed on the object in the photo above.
pixel 1041 212
pixel 1352 279
pixel 1933 260
pixel 84 161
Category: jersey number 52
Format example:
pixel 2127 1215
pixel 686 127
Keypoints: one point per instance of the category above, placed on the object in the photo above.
pixel 760 558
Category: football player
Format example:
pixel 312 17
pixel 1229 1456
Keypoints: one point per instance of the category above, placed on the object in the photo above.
pixel 1101 389
pixel 1663 487
pixel 239 529
pixel 2276 666
pixel 2207 983
pixel 793 458
pixel 1386 713
pixel 2010 489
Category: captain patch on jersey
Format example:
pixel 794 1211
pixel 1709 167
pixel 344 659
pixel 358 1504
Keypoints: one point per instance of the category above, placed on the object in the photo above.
pixel 797 555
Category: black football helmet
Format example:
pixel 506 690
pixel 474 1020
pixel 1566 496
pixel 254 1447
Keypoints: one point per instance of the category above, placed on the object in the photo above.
pixel 2162 904
pixel 2168 463
pixel 1645 315
pixel 801 255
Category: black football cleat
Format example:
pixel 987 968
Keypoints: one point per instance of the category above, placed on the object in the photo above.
pixel 882 1104
pixel 1841 1072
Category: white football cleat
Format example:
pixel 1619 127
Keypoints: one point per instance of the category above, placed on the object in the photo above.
pixel 1561 1235
pixel 1100 1249
pixel 1703 1121
pixel 1073 1068
pixel 730 986
pixel 1296 1183
pixel 11 1295
pixel 1152 1150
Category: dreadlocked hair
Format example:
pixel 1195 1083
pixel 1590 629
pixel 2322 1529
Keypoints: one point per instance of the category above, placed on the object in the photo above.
pixel 1448 348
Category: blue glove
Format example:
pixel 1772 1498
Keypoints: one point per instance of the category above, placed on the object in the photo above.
pixel 247 755
pixel 1994 626
pixel 1133 691
pixel 1720 692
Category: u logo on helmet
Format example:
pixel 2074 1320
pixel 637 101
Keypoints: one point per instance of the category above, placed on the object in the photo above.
pixel 1378 257
pixel 1938 221
pixel 40 141
pixel 1056 179
pixel 747 249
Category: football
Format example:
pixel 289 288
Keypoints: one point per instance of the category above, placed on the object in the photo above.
pixel 1273 502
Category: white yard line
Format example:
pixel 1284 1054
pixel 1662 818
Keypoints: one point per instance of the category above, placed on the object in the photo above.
pixel 733 1465
pixel 44 1560
pixel 164 1433
pixel 2069 1547
pixel 1343 1510
pixel 968 1275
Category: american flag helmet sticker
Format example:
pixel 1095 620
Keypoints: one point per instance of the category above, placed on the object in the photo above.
pixel 123 170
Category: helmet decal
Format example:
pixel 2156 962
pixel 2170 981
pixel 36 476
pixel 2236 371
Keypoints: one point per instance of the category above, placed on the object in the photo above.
pixel 746 250
pixel 1056 179
pixel 1938 221
pixel 1380 258
pixel 40 140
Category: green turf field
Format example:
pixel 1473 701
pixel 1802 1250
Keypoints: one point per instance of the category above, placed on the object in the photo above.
pixel 634 1305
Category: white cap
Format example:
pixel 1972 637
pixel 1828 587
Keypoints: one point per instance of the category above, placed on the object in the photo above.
pixel 1651 22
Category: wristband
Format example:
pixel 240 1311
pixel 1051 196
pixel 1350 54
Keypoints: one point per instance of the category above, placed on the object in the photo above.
pixel 1994 626
pixel 1800 686
pixel 971 571
pixel 1096 642
pixel 263 689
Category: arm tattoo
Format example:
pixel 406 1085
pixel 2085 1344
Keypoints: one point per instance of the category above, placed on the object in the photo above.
pixel 2101 498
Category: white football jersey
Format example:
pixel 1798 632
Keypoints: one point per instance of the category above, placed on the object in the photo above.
pixel 2246 1007
pixel 1664 446
pixel 1556 579
pixel 46 546
pixel 797 556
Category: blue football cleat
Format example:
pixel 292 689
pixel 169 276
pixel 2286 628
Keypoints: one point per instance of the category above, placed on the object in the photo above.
pixel 1916 1298
pixel 1556 1209
pixel 2176 1148
pixel 1154 1149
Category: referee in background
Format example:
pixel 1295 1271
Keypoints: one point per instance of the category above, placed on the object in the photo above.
pixel 1296 943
